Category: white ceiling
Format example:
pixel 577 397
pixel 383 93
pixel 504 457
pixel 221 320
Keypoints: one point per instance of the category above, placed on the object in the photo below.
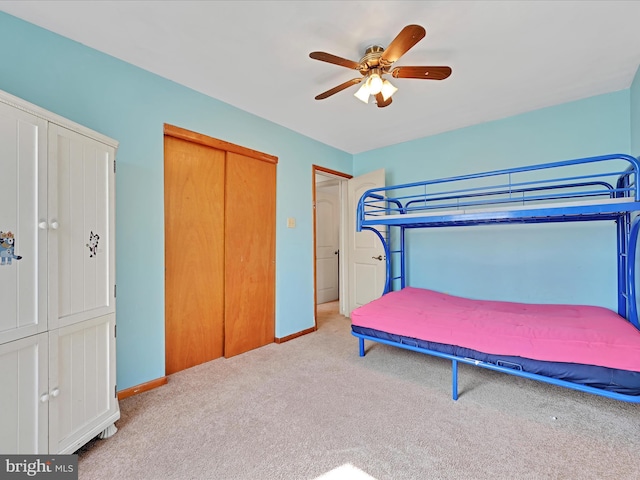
pixel 507 57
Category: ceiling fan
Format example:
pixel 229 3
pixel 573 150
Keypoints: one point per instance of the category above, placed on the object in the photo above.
pixel 378 61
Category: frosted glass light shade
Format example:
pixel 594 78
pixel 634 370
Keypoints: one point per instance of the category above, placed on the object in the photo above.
pixel 387 90
pixel 375 84
pixel 363 92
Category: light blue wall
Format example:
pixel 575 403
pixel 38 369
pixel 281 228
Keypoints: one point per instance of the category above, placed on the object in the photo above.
pixel 635 114
pixel 531 263
pixel 539 263
pixel 131 105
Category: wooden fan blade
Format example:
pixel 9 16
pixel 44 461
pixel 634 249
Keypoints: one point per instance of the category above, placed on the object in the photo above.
pixel 407 38
pixel 424 73
pixel 381 101
pixel 339 88
pixel 327 57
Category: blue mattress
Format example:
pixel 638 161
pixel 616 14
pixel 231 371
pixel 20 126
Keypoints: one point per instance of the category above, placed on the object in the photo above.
pixel 609 379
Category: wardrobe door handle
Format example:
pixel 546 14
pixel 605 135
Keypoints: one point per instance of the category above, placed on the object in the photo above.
pixel 55 392
pixel 42 225
pixel 55 225
pixel 44 398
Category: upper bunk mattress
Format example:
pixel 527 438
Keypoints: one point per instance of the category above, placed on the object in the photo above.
pixel 554 333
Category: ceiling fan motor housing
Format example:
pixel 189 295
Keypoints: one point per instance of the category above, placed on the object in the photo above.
pixel 371 58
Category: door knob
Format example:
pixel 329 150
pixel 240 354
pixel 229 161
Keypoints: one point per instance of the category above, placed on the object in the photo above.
pixel 379 257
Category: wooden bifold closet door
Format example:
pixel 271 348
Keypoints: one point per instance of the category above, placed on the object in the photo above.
pixel 219 249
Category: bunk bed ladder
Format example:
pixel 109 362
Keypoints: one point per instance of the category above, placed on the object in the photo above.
pixel 396 268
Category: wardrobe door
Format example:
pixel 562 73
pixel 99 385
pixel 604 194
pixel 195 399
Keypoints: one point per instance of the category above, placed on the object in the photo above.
pixel 23 227
pixel 250 210
pixel 81 228
pixel 82 379
pixel 194 253
pixel 24 414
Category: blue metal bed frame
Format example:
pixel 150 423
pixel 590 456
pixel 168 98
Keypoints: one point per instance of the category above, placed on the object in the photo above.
pixel 608 183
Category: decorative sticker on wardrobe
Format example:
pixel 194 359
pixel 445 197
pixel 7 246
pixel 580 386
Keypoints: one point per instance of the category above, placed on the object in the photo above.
pixel 7 248
pixel 93 244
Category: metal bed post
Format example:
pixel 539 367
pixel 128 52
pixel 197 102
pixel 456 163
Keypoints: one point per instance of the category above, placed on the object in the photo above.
pixel 403 272
pixel 622 229
pixel 454 379
pixel 631 273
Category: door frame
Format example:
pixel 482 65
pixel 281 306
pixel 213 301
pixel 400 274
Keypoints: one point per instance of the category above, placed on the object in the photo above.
pixel 343 274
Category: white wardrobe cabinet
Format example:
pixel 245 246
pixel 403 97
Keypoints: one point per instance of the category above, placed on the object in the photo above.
pixel 57 282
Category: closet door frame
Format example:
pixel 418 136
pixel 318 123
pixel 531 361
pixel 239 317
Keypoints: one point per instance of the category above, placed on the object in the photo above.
pixel 207 141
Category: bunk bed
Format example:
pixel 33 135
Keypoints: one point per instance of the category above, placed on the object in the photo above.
pixel 586 348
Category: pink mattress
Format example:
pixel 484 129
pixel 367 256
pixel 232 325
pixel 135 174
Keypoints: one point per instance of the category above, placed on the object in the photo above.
pixel 558 333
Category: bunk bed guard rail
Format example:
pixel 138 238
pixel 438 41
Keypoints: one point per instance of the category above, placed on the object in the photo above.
pixel 594 188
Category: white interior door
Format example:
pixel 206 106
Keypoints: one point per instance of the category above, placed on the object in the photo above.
pixel 327 242
pixel 367 272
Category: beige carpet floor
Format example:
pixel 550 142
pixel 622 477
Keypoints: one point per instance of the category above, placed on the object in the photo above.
pixel 312 408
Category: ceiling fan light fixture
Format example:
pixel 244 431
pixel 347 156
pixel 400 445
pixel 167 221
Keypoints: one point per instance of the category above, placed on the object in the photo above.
pixel 363 92
pixel 375 83
pixel 388 89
